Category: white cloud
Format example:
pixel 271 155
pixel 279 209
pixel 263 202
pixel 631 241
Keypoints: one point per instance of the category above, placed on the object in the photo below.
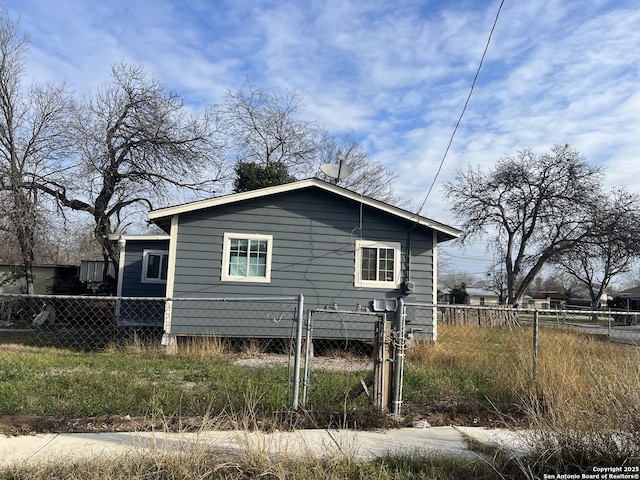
pixel 396 74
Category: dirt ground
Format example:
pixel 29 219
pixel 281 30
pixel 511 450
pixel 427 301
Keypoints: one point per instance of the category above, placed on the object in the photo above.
pixel 13 425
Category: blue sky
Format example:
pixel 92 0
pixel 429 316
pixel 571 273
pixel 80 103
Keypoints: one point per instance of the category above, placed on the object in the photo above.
pixel 394 74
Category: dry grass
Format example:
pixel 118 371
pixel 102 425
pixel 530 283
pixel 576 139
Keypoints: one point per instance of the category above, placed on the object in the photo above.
pixel 196 348
pixel 583 407
pixel 581 381
pixel 586 384
pixel 254 461
pixel 470 365
pixel 192 348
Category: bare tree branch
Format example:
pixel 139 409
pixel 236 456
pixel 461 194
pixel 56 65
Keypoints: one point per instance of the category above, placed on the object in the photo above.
pixel 612 246
pixel 135 142
pixel 33 141
pixel 535 206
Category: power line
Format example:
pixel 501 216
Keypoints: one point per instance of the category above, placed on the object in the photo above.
pixel 464 109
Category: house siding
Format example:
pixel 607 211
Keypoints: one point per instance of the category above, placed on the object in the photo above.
pixel 131 280
pixel 314 235
pixel 135 313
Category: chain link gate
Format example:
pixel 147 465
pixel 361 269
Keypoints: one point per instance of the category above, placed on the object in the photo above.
pixel 362 342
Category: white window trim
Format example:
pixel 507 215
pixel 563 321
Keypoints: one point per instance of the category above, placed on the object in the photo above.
pixel 145 265
pixel 228 236
pixel 359 282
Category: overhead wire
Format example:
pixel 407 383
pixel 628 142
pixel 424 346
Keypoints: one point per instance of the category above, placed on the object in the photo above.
pixel 464 109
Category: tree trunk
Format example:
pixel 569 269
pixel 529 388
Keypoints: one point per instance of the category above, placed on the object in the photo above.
pixel 25 235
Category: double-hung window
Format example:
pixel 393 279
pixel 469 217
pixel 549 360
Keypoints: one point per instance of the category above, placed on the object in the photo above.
pixel 377 264
pixel 154 266
pixel 246 257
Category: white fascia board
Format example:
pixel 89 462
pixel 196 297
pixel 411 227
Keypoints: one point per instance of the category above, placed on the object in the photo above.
pixel 115 237
pixel 226 199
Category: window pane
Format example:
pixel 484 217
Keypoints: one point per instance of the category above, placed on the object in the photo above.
pixel 153 266
pixel 258 258
pixel 386 264
pixel 163 270
pixel 369 264
pixel 238 257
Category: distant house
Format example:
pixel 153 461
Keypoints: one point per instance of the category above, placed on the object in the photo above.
pixel 333 245
pixel 475 296
pixel 631 298
pixel 480 296
pixel 546 300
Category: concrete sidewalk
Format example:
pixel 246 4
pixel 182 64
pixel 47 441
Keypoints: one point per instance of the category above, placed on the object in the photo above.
pixel 29 449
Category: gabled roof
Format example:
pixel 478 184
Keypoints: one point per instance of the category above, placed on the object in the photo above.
pixel 157 216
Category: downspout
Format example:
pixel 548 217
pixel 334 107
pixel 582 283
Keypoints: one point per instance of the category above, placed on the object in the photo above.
pixel 409 253
pixel 434 280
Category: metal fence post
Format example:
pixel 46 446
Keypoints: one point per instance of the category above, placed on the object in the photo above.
pixel 298 351
pixel 307 358
pixel 398 363
pixel 535 345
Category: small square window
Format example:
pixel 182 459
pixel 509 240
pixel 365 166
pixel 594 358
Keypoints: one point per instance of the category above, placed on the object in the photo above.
pixel 246 257
pixel 154 266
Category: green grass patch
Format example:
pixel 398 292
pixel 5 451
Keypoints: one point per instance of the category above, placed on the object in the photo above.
pixel 59 382
pixel 139 383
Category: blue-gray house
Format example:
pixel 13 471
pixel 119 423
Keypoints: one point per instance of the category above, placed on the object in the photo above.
pixel 334 246
pixel 142 273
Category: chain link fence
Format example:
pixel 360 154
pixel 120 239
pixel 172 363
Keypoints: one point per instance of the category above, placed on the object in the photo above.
pixel 349 358
pixel 67 322
pixel 619 326
pixel 93 322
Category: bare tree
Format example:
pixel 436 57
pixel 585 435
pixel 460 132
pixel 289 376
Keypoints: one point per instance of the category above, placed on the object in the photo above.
pixel 370 178
pixel 33 141
pixel 451 279
pixel 534 206
pixel 263 129
pixel 496 282
pixel 610 249
pixel 135 142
